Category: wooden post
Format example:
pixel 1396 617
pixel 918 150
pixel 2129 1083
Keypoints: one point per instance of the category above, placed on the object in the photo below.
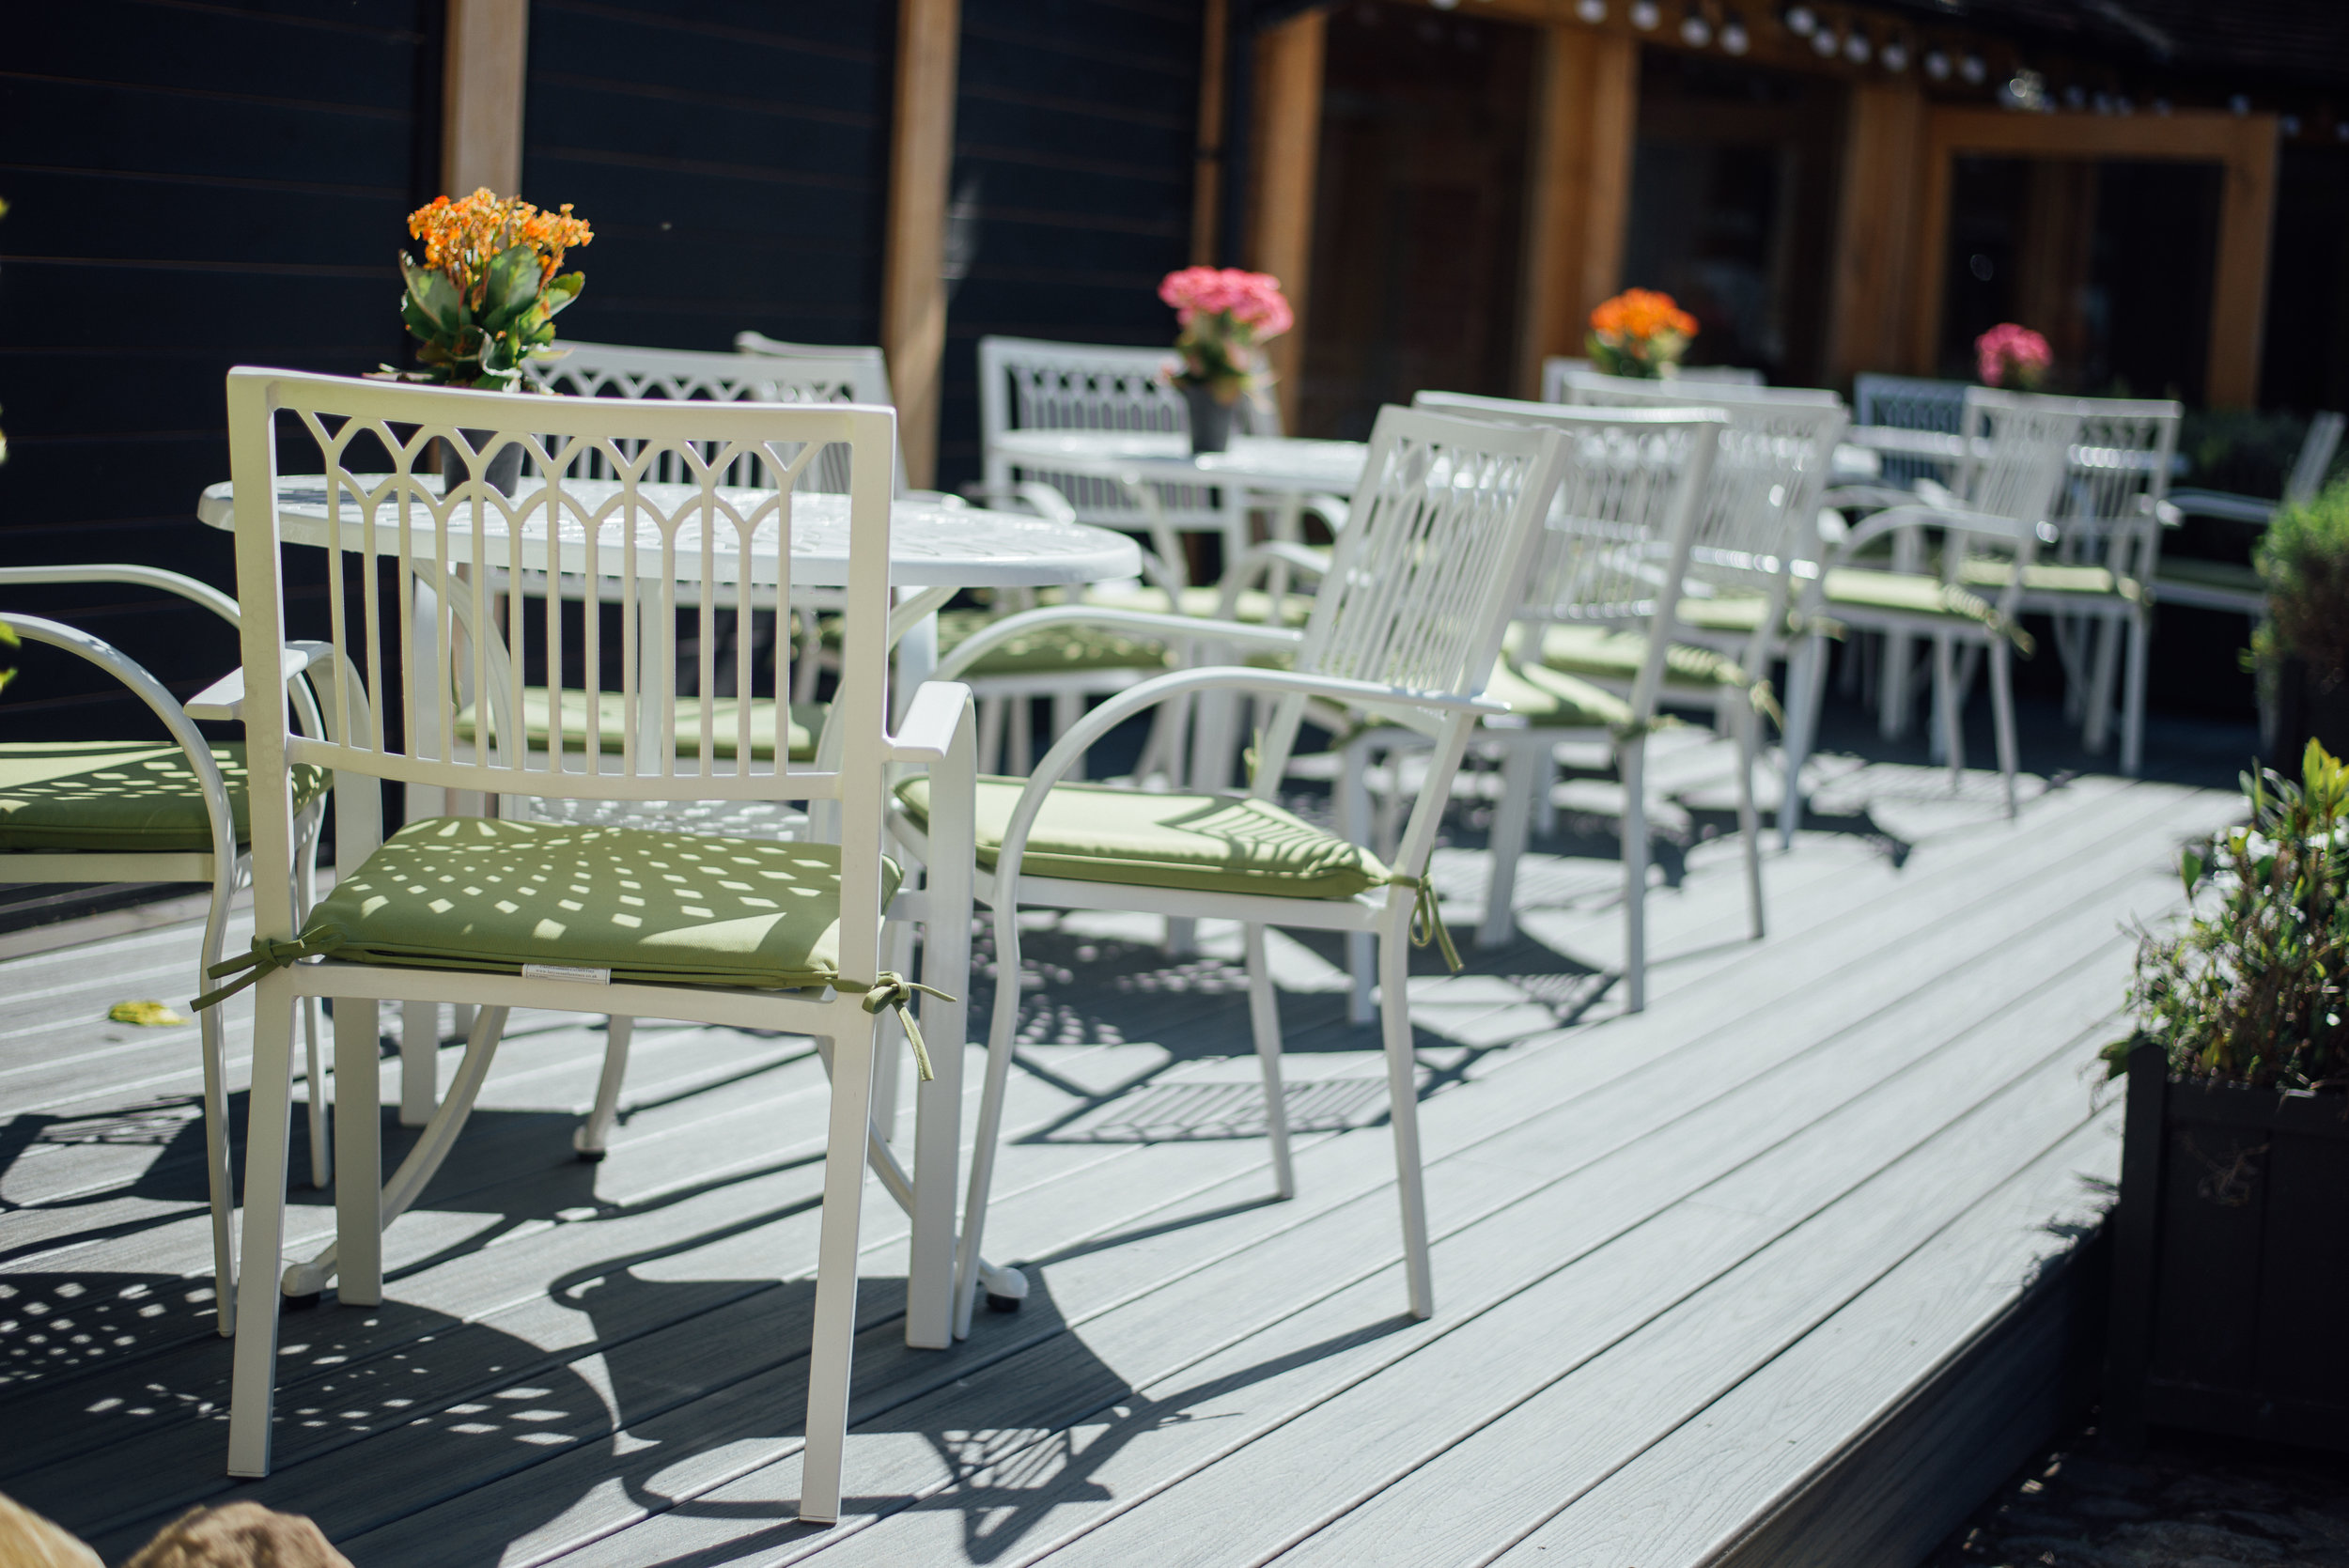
pixel 1287 141
pixel 914 281
pixel 1206 179
pixel 487 55
pixel 1580 189
pixel 2239 285
pixel 1875 229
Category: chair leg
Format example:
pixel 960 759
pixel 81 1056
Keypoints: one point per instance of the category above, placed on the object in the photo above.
pixel 593 1137
pixel 1264 1020
pixel 1951 726
pixel 2132 695
pixel 1022 728
pixel 1545 793
pixel 1892 686
pixel 313 1061
pixel 219 1167
pixel 890 1056
pixel 2002 715
pixel 1748 820
pixel 1353 814
pixel 359 1137
pixel 1632 763
pixel 2098 728
pixel 990 732
pixel 938 1104
pixel 1394 1013
pixel 999 1034
pixel 833 1341
pixel 253 1377
pixel 1520 766
pixel 419 1062
pixel 1067 708
pixel 1805 683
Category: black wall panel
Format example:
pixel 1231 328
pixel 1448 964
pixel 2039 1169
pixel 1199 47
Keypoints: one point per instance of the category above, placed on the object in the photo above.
pixel 192 186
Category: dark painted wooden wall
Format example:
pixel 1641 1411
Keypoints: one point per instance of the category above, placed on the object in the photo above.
pixel 733 156
pixel 1074 134
pixel 192 186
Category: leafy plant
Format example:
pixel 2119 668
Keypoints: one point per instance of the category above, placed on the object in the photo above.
pixel 2304 556
pixel 2250 990
pixel 484 296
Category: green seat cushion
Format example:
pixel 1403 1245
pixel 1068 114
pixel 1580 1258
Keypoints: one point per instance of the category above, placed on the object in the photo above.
pixel 1551 699
pixel 1050 649
pixel 1906 593
pixel 807 722
pixel 1598 653
pixel 1199 842
pixel 2050 576
pixel 123 796
pixel 1730 611
pixel 469 892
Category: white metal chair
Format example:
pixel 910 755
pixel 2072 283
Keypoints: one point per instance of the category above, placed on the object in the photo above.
pixel 869 381
pixel 167 810
pixel 2230 585
pixel 506 914
pixel 2109 515
pixel 1407 628
pixel 2016 449
pixel 1615 559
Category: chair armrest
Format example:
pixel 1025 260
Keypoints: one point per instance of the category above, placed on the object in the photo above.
pixel 972 650
pixel 224 698
pixel 2224 506
pixel 1957 520
pixel 940 707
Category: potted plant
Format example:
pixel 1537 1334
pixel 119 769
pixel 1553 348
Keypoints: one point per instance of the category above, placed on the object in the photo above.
pixel 1226 316
pixel 2231 1257
pixel 1640 333
pixel 2302 648
pixel 483 299
pixel 2013 357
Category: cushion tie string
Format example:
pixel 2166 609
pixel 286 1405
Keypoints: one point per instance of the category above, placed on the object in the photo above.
pixel 1427 927
pixel 895 991
pixel 267 956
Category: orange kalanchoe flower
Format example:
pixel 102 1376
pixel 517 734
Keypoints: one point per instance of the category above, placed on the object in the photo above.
pixel 461 237
pixel 1643 313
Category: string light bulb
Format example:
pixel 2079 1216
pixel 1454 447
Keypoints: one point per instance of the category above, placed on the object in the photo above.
pixel 1694 30
pixel 1734 38
pixel 1645 14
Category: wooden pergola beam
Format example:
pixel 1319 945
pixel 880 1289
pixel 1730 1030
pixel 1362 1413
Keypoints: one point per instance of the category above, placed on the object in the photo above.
pixel 487 58
pixel 2245 148
pixel 1286 146
pixel 914 269
pixel 1579 189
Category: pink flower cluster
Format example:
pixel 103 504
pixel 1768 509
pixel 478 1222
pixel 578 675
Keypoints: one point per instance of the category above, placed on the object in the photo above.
pixel 1251 299
pixel 2007 348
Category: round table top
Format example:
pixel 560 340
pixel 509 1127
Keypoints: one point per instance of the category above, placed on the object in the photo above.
pixel 1287 463
pixel 930 545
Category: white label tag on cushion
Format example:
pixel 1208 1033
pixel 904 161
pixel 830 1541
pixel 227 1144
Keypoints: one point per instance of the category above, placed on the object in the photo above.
pixel 579 973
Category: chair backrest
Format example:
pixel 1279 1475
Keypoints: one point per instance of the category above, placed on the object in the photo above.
pixel 1428 573
pixel 2115 479
pixel 1908 402
pixel 693 547
pixel 868 367
pixel 2315 460
pixel 1558 366
pixel 1618 543
pixel 1028 384
pixel 694 375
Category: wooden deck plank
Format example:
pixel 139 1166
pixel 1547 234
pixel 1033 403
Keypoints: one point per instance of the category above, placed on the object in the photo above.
pixel 989 1412
pixel 1690 1497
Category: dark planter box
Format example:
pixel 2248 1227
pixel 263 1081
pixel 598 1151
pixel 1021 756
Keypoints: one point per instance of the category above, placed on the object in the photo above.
pixel 2307 709
pixel 2230 1263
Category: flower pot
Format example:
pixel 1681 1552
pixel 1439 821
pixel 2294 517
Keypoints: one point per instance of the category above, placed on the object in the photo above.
pixel 502 472
pixel 1210 420
pixel 2307 709
pixel 2230 1261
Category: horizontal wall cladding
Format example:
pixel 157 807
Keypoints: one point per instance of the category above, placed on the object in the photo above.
pixel 192 185
pixel 733 157
pixel 1075 129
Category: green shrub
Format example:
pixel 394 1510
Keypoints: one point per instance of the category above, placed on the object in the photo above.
pixel 2250 990
pixel 2304 556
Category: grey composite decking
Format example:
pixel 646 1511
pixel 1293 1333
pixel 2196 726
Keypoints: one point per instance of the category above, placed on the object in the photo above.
pixel 1774 1271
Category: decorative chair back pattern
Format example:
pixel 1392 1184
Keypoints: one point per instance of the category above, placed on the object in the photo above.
pixel 1556 368
pixel 1619 533
pixel 2018 448
pixel 2107 511
pixel 1030 385
pixel 1440 534
pixel 687 375
pixel 1909 403
pixel 868 365
pixel 685 545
